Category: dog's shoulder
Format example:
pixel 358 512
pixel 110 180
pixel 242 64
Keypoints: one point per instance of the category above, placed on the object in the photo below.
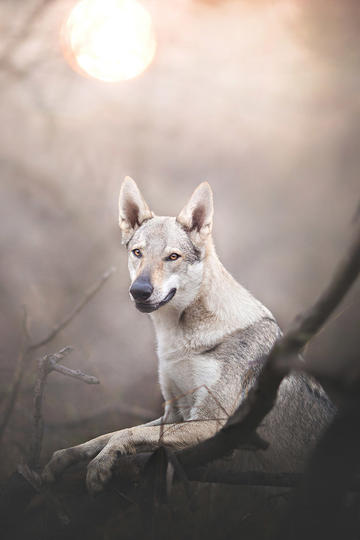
pixel 251 344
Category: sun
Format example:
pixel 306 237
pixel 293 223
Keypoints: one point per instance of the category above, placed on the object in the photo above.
pixel 110 40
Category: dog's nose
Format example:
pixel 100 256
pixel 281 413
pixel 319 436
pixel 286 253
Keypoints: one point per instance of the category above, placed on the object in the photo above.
pixel 141 289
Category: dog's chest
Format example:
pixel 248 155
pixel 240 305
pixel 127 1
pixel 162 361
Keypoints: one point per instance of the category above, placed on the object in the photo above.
pixel 186 377
pixel 186 374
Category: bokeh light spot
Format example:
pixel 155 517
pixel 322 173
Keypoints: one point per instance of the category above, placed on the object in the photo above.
pixel 110 40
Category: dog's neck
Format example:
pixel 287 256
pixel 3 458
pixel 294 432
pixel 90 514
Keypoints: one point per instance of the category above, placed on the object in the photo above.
pixel 219 306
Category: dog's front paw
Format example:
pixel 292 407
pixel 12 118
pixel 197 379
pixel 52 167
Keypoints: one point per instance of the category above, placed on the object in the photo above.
pixel 100 470
pixel 61 459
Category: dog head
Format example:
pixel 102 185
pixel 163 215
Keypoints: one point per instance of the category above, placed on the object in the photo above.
pixel 166 254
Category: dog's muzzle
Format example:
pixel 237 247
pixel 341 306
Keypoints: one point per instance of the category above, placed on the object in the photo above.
pixel 148 307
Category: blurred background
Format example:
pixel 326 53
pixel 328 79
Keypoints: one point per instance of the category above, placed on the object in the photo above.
pixel 260 98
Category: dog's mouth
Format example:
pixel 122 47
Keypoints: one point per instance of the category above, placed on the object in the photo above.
pixel 147 307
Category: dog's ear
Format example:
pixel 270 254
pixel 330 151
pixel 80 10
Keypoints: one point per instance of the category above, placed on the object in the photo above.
pixel 133 210
pixel 197 215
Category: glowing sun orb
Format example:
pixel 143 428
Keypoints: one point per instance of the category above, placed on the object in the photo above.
pixel 110 40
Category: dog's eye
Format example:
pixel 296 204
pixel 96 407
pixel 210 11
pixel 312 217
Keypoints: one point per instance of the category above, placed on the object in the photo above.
pixel 173 257
pixel 137 253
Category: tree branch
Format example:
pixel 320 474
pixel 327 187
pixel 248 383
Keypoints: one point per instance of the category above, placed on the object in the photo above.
pixel 46 365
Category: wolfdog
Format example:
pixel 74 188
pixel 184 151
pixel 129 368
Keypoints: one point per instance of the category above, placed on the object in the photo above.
pixel 212 339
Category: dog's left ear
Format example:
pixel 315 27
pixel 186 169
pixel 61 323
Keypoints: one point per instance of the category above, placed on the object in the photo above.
pixel 133 210
pixel 196 217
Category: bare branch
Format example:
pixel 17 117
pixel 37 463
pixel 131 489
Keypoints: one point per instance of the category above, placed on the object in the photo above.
pixel 76 374
pixel 51 362
pixel 26 330
pixel 60 355
pixel 27 348
pixel 47 364
pixel 16 383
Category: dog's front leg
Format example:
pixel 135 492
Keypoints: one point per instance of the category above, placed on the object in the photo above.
pixel 62 459
pixel 169 417
pixel 145 439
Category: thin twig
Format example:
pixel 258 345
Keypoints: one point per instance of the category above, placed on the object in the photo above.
pixel 54 358
pixel 28 347
pixel 47 364
pixel 76 374
pixel 25 321
pixel 51 361
pixel 44 368
pixel 15 387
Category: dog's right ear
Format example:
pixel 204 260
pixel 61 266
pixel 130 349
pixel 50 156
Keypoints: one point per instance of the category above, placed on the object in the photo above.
pixel 197 215
pixel 133 210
